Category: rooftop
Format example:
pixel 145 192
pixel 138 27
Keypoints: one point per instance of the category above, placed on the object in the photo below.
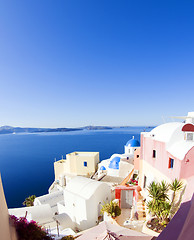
pixel 84 187
pixel 84 153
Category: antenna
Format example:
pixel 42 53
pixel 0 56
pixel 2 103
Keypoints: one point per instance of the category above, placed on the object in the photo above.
pixel 164 121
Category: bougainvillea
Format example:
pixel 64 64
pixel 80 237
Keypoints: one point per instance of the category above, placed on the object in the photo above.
pixel 132 182
pixel 28 230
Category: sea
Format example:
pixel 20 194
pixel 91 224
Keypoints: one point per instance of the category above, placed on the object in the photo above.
pixel 27 160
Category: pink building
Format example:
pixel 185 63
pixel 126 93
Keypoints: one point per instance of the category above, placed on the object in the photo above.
pixel 167 152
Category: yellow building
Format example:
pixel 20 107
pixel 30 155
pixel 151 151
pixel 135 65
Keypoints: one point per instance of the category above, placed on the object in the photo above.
pixel 76 163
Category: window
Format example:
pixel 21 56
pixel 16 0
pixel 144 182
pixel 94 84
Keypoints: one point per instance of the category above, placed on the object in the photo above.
pixel 154 154
pixel 189 136
pixel 85 164
pixel 171 163
pixel 137 156
pixel 144 183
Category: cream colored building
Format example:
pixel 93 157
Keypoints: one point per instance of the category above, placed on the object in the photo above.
pixel 7 231
pixel 76 163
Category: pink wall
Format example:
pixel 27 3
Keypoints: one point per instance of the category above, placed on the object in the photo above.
pixel 187 165
pixel 161 161
pixel 137 158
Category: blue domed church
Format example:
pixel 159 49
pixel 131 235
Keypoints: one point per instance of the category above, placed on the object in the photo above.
pixel 119 165
pixel 131 146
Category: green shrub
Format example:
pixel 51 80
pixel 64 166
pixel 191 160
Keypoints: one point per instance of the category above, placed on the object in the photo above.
pixel 70 237
pixel 112 209
pixel 29 201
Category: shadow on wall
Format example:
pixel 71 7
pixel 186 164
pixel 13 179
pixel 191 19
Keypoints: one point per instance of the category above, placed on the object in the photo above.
pixel 7 230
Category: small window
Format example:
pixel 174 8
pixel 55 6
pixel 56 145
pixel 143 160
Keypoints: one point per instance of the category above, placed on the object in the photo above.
pixel 154 154
pixel 85 164
pixel 137 156
pixel 171 163
pixel 145 180
pixel 189 136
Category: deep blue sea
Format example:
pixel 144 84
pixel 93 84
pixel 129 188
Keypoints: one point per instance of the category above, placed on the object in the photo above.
pixel 26 160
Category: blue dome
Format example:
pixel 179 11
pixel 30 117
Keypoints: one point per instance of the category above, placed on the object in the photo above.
pixel 102 168
pixel 133 143
pixel 114 163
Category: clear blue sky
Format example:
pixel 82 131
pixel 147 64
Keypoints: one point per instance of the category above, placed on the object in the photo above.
pixel 69 63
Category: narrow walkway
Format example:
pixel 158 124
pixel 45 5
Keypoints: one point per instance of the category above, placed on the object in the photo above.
pixel 125 215
pixel 129 220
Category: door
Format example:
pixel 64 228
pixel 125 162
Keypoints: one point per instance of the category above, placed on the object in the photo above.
pixel 126 198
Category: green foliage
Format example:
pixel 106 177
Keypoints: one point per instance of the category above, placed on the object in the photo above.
pixel 176 185
pixel 160 205
pixel 69 237
pixel 112 209
pixel 29 201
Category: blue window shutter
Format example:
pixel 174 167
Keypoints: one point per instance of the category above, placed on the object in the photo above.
pixel 172 163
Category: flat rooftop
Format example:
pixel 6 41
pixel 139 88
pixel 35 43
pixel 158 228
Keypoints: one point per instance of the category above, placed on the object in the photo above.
pixel 112 179
pixel 84 153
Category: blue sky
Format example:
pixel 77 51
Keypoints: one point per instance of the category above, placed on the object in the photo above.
pixel 70 63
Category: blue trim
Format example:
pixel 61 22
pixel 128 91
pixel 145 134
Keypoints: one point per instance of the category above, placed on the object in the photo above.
pixel 171 163
pixel 102 168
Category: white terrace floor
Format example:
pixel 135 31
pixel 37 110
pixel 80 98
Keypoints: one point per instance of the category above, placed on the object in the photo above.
pixel 125 219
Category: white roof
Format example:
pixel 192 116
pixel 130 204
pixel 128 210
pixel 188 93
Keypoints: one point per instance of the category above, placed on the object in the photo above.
pixel 180 149
pixel 52 198
pixel 172 134
pixel 164 132
pixel 64 220
pixel 84 187
pixel 40 214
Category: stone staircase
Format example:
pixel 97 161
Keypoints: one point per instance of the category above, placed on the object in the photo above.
pixel 141 209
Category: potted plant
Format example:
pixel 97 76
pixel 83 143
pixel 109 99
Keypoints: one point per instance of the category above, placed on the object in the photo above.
pixel 112 209
pixel 160 205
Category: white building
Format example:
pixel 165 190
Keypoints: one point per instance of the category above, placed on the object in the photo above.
pixel 77 207
pixel 75 164
pixel 83 198
pixel 119 165
pixel 52 199
pixel 41 214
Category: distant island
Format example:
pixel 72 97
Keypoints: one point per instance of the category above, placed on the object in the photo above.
pixel 13 130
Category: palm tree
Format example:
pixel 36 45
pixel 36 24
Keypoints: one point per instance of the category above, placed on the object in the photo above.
pixel 175 186
pixel 164 188
pixel 159 204
pixel 29 201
